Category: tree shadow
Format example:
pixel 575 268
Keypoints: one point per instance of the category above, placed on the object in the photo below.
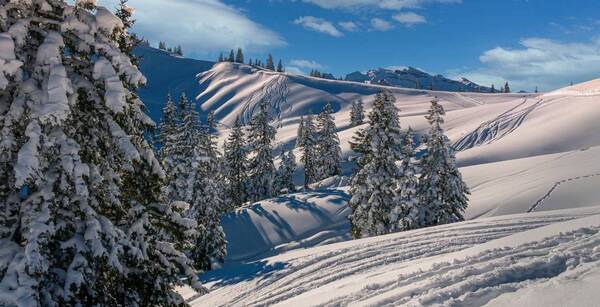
pixel 233 274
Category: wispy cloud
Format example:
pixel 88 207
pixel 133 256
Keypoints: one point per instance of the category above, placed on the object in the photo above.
pixel 381 24
pixel 381 4
pixel 306 64
pixel 319 25
pixel 539 62
pixel 349 26
pixel 409 18
pixel 201 26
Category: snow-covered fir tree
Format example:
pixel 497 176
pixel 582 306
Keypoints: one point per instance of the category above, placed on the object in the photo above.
pixel 270 65
pixel 280 67
pixel 507 88
pixel 221 58
pixel 409 214
pixel 307 140
pixel 375 196
pixel 441 190
pixel 162 46
pixel 357 113
pixel 239 56
pixel 231 57
pixel 261 167
pixel 284 181
pixel 93 225
pixel 207 200
pixel 236 166
pixel 328 145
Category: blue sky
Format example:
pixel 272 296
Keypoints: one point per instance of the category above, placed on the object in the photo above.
pixel 545 43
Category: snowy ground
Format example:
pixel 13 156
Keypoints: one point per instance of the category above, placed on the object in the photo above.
pixel 490 260
pixel 531 162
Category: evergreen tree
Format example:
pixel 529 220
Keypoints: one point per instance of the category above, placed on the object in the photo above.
pixel 261 167
pixel 506 88
pixel 236 166
pixel 250 62
pixel 231 57
pixel 357 114
pixel 375 196
pixel 409 214
pixel 178 51
pixel 493 89
pixel 167 132
pixel 90 226
pixel 162 45
pixel 536 90
pixel 441 190
pixel 221 58
pixel 328 145
pixel 307 140
pixel 126 41
pixel 284 182
pixel 239 57
pixel 207 200
pixel 280 67
pixel 270 65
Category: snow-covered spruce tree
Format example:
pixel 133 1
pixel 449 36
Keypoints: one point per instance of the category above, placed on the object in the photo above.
pixel 270 65
pixel 221 58
pixel 357 113
pixel 239 56
pixel 261 168
pixel 231 57
pixel 236 166
pixel 93 225
pixel 307 140
pixel 441 190
pixel 409 214
pixel 167 132
pixel 280 67
pixel 375 196
pixel 328 145
pixel 284 181
pixel 207 201
pixel 178 154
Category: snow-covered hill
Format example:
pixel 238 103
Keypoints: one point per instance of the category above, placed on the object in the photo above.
pixel 411 77
pixel 167 73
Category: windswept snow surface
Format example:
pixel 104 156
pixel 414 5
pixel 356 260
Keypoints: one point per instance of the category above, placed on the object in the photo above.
pixel 484 261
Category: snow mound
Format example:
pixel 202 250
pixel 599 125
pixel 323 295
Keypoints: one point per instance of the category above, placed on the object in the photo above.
pixel 287 222
pixel 486 261
pixel 589 88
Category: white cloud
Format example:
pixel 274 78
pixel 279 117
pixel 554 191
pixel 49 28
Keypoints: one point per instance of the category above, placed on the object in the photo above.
pixel 318 25
pixel 294 70
pixel 349 26
pixel 409 18
pixel 201 26
pixel 381 4
pixel 306 64
pixel 380 24
pixel 541 62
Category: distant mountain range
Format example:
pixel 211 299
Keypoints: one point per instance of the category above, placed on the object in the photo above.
pixel 411 77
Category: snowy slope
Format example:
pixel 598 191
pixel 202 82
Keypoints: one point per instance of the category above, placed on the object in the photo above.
pixel 485 261
pixel 167 73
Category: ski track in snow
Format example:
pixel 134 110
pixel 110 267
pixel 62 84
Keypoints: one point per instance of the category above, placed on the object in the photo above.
pixel 497 128
pixel 539 203
pixel 483 277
